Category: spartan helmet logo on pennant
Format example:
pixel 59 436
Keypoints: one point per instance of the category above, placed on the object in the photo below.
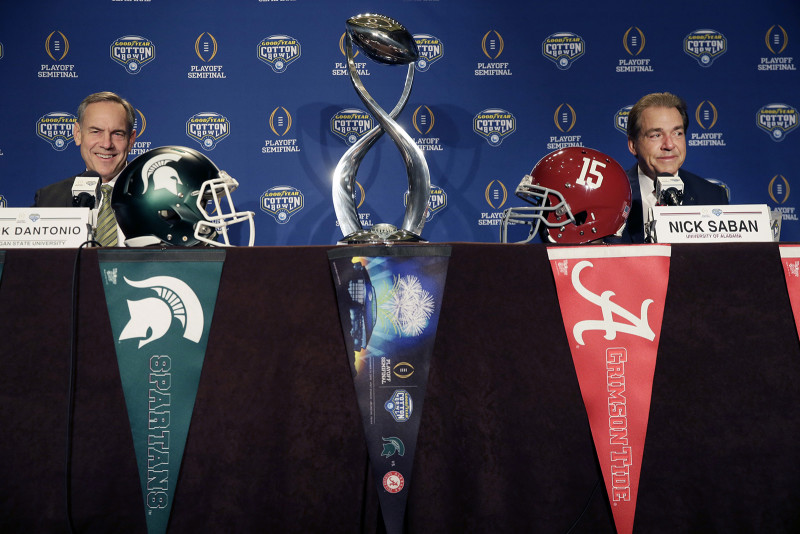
pixel 154 315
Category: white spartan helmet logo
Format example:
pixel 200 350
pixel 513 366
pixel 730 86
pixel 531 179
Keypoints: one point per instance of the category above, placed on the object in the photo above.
pixel 163 175
pixel 154 315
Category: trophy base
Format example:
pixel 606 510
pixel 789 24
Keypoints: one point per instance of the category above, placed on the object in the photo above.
pixel 381 234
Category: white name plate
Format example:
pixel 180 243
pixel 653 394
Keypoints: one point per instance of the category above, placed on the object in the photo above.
pixel 44 227
pixel 704 224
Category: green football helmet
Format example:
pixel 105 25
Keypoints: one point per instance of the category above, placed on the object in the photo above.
pixel 175 195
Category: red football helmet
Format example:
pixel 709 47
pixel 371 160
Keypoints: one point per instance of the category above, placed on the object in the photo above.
pixel 579 194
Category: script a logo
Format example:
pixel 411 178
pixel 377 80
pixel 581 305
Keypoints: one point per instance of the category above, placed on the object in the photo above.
pixel 637 326
pixel 175 300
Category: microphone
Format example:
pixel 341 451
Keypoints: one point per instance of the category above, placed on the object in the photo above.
pixel 669 190
pixel 86 190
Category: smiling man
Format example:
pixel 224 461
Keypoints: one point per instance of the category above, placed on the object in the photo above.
pixel 657 126
pixel 104 132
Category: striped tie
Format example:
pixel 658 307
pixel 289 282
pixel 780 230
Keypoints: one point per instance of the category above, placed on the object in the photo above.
pixel 106 231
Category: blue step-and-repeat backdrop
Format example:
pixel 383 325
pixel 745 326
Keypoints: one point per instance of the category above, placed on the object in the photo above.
pixel 261 87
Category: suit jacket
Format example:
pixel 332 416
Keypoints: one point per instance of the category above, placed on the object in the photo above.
pixel 696 192
pixel 57 195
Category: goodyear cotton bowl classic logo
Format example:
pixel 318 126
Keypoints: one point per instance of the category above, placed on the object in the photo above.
pixel 56 129
pixel 705 46
pixel 494 125
pixel 777 120
pixel 351 124
pixel 563 49
pixel 279 51
pixel 282 202
pixel 208 129
pixel 133 52
pixel 436 202
pixel 430 49
pixel 621 119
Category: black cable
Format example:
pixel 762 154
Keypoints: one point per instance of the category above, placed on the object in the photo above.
pixel 585 508
pixel 73 346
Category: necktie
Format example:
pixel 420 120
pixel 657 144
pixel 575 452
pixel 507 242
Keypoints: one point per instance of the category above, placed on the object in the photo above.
pixel 106 231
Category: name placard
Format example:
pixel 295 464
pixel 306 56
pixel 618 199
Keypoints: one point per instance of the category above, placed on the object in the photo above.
pixel 44 227
pixel 704 224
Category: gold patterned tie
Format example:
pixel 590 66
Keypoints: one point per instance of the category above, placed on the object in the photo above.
pixel 106 231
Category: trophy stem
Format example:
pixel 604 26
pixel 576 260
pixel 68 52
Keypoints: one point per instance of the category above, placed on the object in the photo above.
pixel 419 179
pixel 344 176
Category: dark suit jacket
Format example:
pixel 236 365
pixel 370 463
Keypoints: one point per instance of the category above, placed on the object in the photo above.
pixel 57 195
pixel 696 192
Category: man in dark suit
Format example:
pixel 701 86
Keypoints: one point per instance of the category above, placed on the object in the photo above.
pixel 657 126
pixel 104 132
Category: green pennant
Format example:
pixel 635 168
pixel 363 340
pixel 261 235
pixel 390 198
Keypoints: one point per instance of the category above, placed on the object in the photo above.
pixel 160 304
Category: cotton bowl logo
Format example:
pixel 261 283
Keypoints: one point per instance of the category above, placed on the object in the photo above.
pixel 436 202
pixel 351 124
pixel 492 44
pixel 430 49
pixel 400 405
pixel 633 41
pixel 705 46
pixel 279 51
pixel 779 189
pixel 777 120
pixel 621 119
pixel 133 52
pixel 56 129
pixel 565 117
pixel 152 317
pixel 706 115
pixel 282 202
pixel 56 45
pixel 494 125
pixel 205 47
pixel 563 49
pixel 208 129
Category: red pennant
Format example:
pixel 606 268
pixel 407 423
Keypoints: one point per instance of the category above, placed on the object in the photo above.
pixel 790 257
pixel 612 302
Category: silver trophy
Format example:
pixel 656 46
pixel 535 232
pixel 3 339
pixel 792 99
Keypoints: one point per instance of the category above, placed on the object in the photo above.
pixel 386 41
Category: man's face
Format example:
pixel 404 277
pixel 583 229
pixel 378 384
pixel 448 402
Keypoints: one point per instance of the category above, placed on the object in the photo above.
pixel 104 139
pixel 661 145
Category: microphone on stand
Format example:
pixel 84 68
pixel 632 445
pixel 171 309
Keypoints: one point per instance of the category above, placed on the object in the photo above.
pixel 86 190
pixel 85 194
pixel 669 190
